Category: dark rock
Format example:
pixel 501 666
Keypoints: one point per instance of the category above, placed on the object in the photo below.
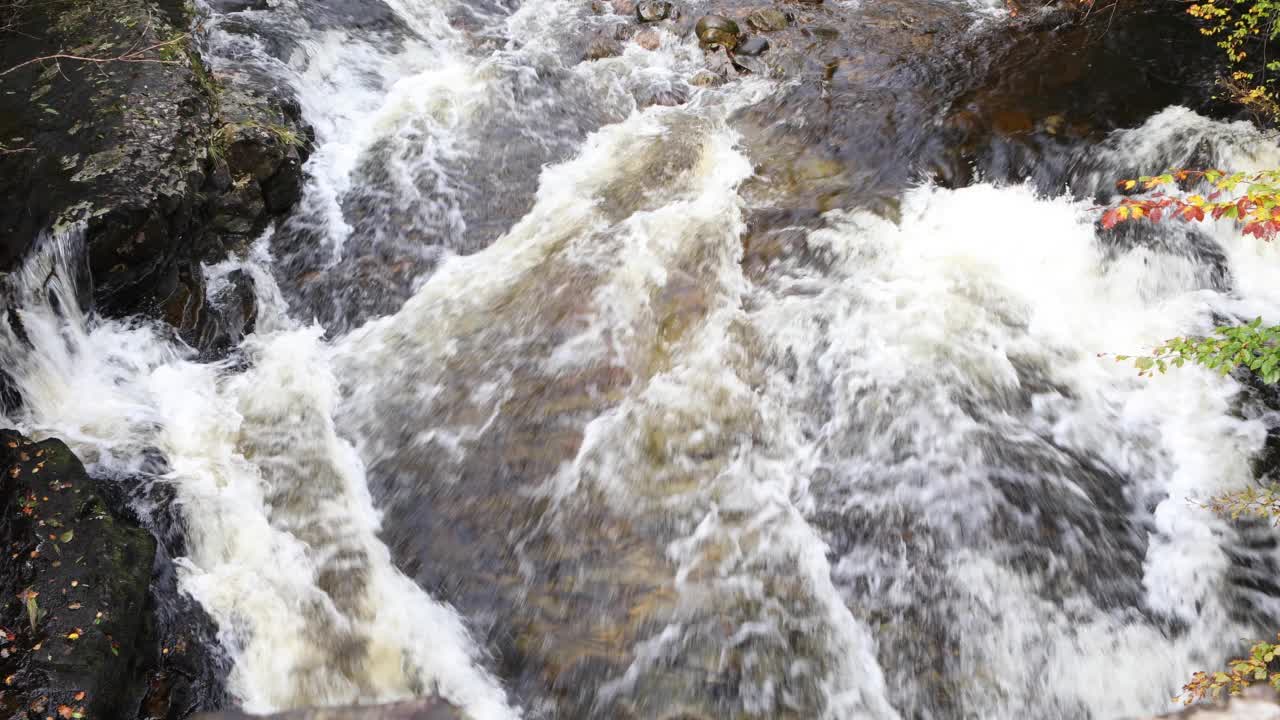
pixel 669 97
pixel 767 19
pixel 753 46
pixel 89 571
pixel 237 303
pixel 162 166
pixel 717 31
pixel 215 325
pixel 648 11
pixel 602 47
pixel 10 396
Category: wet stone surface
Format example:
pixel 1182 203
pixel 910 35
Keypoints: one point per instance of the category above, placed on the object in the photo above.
pixel 75 632
pixel 163 165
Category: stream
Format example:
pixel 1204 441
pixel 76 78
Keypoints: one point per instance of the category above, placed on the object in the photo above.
pixel 580 390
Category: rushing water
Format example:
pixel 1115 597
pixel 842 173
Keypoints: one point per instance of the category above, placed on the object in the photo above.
pixel 539 417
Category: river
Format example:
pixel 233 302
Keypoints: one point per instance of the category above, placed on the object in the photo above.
pixel 578 390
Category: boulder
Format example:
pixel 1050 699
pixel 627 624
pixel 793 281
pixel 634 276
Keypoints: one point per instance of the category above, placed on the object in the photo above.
pixel 717 31
pixel 767 19
pixel 74 588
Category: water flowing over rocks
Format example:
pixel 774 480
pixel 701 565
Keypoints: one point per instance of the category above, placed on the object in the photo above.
pixel 652 377
pixel 415 710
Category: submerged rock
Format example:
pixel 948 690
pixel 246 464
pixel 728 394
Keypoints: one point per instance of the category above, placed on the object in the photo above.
pixel 426 709
pixel 74 586
pixel 602 47
pixel 648 39
pixel 767 19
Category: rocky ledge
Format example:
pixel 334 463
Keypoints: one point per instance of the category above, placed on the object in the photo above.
pixel 74 587
pixel 109 121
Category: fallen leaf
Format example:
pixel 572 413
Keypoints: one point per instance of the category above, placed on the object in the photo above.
pixel 67 536
pixel 64 712
pixel 79 696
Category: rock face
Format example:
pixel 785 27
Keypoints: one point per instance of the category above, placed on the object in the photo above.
pixel 413 710
pixel 163 166
pixel 74 587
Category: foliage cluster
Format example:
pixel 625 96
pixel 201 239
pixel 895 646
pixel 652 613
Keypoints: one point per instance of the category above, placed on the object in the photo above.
pixel 1239 674
pixel 1244 30
pixel 1251 346
pixel 1257 209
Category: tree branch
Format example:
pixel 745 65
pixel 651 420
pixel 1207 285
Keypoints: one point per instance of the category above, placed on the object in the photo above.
pixel 132 56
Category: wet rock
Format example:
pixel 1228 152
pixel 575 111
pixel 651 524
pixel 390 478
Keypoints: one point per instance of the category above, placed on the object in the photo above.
pixel 602 47
pixel 425 709
pixel 705 78
pixel 750 64
pixel 211 325
pixel 753 46
pixel 669 97
pixel 767 19
pixel 10 396
pixel 648 11
pixel 82 574
pixel 720 63
pixel 717 31
pixel 624 7
pixel 648 39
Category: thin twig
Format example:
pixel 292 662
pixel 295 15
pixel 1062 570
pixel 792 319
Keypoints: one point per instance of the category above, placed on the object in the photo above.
pixel 133 56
